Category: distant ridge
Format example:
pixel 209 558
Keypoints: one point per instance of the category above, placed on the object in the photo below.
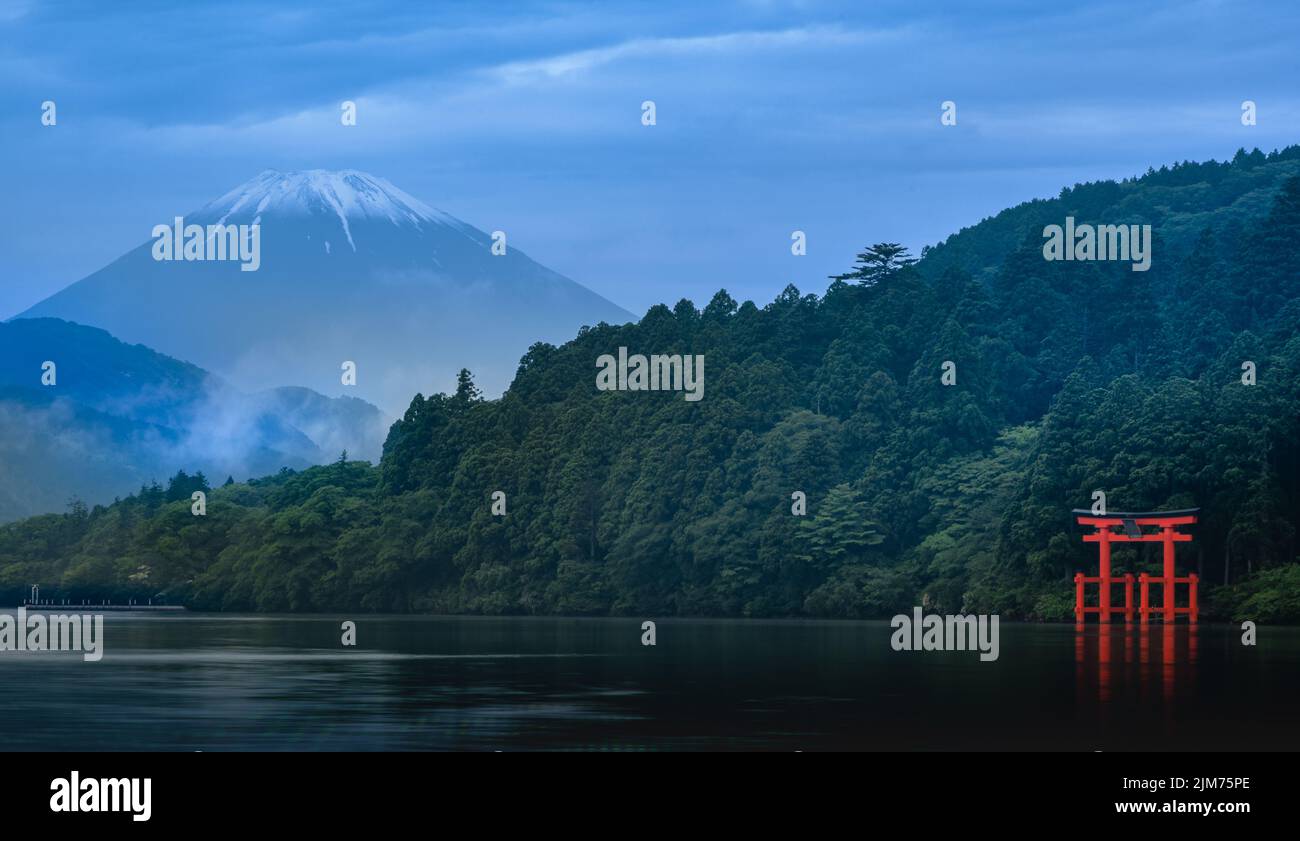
pixel 118 416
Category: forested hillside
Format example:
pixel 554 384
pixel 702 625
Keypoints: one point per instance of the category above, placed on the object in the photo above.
pixel 1070 377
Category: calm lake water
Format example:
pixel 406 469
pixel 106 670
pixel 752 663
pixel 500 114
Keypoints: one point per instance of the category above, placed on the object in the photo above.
pixel 224 682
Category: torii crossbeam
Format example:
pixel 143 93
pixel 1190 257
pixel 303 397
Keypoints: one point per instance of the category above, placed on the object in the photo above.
pixel 1135 528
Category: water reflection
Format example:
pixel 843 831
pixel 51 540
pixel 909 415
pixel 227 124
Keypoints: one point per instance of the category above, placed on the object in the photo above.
pixel 1105 661
pixel 205 682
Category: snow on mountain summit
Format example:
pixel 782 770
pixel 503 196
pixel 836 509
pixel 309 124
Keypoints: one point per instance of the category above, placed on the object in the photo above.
pixel 349 195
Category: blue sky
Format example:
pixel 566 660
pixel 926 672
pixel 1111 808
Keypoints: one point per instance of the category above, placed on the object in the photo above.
pixel 772 116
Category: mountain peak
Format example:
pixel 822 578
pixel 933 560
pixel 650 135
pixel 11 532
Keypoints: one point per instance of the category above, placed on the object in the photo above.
pixel 348 194
pixel 351 269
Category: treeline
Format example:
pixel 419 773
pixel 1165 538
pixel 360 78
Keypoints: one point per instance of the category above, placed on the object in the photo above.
pixel 1069 378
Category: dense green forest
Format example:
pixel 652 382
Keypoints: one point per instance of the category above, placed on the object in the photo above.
pixel 1071 377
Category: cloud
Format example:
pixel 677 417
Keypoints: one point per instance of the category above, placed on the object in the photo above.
pixel 12 10
pixel 822 112
pixel 506 100
pixel 581 61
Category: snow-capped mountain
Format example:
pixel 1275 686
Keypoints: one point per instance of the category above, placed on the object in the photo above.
pixel 350 269
pixel 338 198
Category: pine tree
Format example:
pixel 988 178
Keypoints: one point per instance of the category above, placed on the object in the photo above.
pixel 466 391
pixel 879 262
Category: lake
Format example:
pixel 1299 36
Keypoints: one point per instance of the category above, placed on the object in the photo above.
pixel 216 682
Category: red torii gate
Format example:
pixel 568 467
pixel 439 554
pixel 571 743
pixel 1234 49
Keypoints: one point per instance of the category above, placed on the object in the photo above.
pixel 1132 525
